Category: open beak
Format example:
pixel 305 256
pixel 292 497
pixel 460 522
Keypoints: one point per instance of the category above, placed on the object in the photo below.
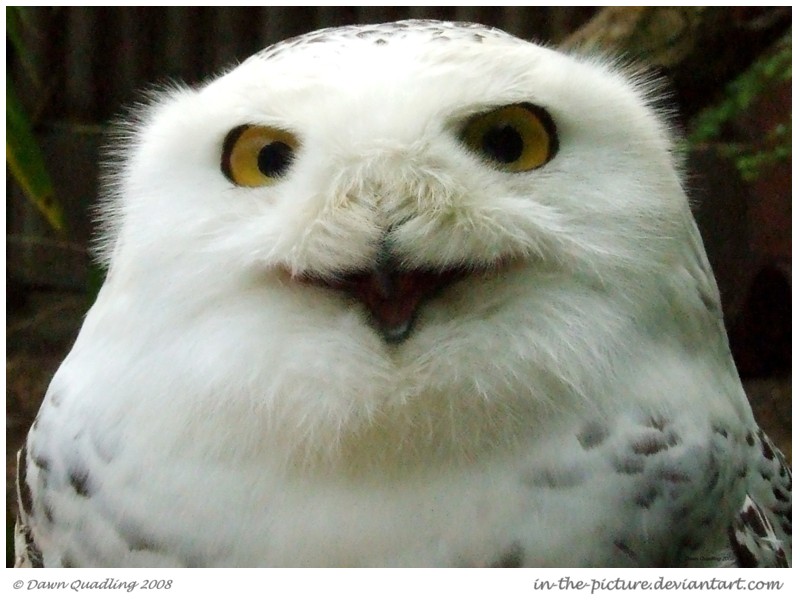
pixel 391 296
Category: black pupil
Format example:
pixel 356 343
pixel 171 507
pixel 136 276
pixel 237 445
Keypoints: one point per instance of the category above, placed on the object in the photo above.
pixel 503 144
pixel 274 159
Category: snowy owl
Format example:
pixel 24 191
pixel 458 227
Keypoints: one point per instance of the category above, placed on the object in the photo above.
pixel 411 294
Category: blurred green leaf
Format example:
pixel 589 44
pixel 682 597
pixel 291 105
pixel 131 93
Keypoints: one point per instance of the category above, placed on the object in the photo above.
pixel 26 162
pixel 19 18
pixel 13 20
pixel 740 96
pixel 23 154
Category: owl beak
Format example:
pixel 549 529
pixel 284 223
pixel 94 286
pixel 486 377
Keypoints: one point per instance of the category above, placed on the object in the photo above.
pixel 391 296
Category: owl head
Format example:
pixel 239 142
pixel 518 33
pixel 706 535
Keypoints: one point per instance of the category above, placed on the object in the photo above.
pixel 414 225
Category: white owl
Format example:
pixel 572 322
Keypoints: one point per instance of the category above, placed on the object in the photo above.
pixel 418 293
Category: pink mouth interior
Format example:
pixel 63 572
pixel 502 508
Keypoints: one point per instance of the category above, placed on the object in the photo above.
pixel 391 297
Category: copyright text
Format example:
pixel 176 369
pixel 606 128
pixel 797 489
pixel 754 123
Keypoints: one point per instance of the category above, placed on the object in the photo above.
pixel 109 583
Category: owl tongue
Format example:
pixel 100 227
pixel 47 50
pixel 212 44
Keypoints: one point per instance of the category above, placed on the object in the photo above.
pixel 393 297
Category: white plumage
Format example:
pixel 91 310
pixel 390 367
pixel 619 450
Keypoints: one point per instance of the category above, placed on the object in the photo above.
pixel 418 293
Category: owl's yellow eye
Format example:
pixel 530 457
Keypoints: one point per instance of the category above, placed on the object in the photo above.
pixel 514 138
pixel 255 155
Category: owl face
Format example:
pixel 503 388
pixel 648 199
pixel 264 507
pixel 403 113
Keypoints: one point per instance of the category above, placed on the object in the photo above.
pixel 413 197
